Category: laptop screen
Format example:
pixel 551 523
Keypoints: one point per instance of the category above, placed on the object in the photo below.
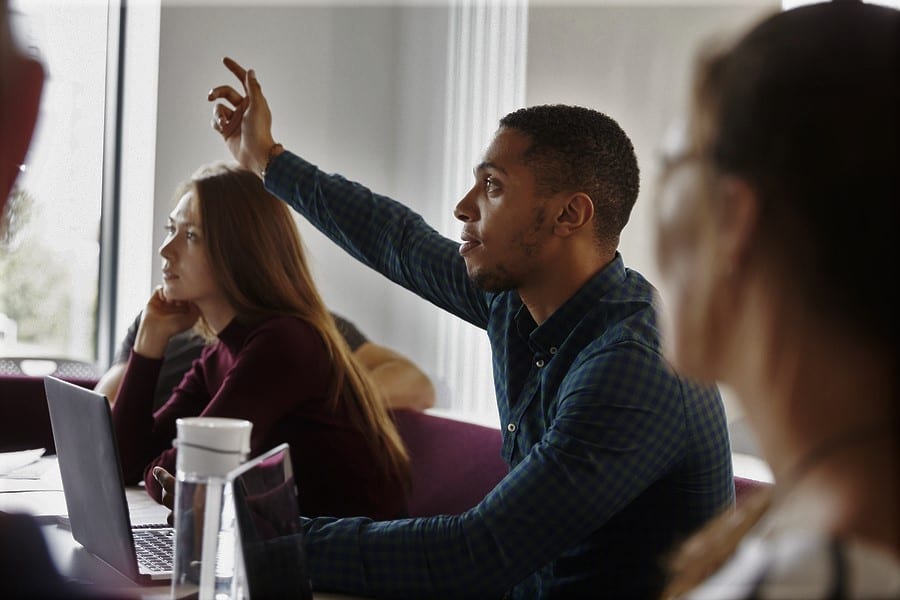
pixel 90 472
pixel 268 522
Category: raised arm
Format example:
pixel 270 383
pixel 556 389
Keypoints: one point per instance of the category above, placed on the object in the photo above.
pixel 246 125
pixel 380 232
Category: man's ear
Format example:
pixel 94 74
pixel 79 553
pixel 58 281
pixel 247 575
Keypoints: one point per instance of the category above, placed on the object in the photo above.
pixel 576 212
pixel 738 219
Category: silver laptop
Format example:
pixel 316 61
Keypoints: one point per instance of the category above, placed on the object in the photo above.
pixel 94 490
pixel 261 493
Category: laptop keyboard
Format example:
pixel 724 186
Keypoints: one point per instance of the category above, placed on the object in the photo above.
pixel 155 549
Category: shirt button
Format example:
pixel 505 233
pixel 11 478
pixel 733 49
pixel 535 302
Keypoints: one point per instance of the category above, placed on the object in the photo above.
pixel 553 350
pixel 511 427
pixel 540 363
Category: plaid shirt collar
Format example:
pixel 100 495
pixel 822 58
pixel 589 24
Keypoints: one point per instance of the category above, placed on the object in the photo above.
pixel 551 333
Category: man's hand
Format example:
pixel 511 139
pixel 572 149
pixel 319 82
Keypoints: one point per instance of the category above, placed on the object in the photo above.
pixel 167 481
pixel 246 127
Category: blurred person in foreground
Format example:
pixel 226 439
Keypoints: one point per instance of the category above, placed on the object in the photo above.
pixel 26 568
pixel 776 229
pixel 21 83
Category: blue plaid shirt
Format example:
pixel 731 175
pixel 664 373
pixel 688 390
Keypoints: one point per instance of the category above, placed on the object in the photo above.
pixel 613 457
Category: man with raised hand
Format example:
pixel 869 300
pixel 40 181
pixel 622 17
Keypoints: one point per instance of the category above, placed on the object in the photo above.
pixel 612 455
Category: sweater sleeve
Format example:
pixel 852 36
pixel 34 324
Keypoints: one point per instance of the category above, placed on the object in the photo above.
pixel 142 434
pixel 132 416
pixel 279 367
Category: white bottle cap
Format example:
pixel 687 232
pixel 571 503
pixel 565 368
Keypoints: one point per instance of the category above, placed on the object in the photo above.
pixel 211 446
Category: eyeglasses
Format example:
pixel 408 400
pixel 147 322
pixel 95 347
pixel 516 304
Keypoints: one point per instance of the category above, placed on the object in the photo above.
pixel 670 163
pixel 676 150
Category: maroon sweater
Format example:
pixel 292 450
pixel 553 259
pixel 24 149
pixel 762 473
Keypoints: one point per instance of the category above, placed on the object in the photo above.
pixel 276 375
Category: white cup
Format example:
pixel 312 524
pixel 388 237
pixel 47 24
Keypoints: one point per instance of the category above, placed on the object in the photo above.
pixel 211 446
pixel 208 449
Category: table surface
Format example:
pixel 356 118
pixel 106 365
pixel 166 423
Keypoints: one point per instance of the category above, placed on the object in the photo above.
pixel 37 490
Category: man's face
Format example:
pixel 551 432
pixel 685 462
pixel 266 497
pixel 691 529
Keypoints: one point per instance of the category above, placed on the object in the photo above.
pixel 506 225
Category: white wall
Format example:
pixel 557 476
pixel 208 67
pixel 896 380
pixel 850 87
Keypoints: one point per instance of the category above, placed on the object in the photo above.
pixel 361 90
pixel 357 90
pixel 632 62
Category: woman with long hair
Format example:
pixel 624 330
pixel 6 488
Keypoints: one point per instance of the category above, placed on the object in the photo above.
pixel 234 268
pixel 777 228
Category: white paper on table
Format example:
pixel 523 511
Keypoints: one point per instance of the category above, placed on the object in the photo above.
pixel 43 497
pixel 35 471
pixel 49 480
pixel 11 462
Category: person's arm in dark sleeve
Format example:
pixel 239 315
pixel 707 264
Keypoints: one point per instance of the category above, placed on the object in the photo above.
pixel 402 383
pixel 381 233
pixel 606 446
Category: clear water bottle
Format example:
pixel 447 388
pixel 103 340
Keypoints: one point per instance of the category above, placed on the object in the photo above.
pixel 207 559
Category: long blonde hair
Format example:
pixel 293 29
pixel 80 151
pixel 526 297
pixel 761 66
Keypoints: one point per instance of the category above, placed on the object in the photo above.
pixel 708 550
pixel 257 258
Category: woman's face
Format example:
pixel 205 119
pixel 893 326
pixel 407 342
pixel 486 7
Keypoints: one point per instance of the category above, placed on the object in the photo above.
pixel 686 249
pixel 187 275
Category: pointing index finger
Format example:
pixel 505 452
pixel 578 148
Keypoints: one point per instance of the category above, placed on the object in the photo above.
pixel 235 68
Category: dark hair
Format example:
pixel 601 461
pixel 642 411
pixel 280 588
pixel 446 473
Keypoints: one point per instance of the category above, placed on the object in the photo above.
pixel 579 149
pixel 806 108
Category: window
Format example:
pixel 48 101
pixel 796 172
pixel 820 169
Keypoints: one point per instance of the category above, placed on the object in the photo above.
pixel 50 257
pixel 499 31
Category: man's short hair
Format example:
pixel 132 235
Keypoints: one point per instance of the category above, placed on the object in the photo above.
pixel 576 149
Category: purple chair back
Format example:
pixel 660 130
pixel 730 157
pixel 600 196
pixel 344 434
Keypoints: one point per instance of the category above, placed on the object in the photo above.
pixel 24 418
pixel 744 487
pixel 454 463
